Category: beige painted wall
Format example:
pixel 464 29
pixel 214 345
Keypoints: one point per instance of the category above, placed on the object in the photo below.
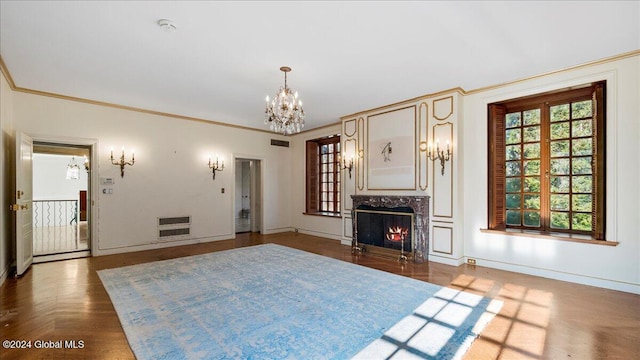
pixel 170 176
pixel 6 184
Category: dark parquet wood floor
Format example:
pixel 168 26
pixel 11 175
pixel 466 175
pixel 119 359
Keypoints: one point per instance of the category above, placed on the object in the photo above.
pixel 540 319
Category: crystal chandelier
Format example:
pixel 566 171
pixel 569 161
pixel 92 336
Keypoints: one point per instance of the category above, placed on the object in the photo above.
pixel 284 113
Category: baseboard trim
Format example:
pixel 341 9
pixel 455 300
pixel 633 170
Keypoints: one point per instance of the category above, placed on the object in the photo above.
pixel 446 260
pixel 276 231
pixel 64 256
pixel 160 245
pixel 561 276
pixel 321 234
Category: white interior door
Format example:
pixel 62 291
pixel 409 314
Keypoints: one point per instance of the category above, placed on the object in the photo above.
pixel 23 205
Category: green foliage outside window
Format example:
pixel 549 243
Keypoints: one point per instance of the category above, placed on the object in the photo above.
pixel 548 173
pixel 569 166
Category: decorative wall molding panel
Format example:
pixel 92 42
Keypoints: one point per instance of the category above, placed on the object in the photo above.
pixel 442 182
pixel 443 108
pixel 442 239
pixel 392 143
pixel 423 140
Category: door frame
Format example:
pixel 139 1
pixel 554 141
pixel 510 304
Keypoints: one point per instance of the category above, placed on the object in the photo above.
pixel 257 185
pixel 94 181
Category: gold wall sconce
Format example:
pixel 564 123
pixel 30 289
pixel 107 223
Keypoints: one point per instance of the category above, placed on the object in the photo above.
pixel 86 164
pixel 122 162
pixel 216 166
pixel 347 165
pixel 437 154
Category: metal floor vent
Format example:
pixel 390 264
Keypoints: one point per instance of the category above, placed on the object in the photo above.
pixel 170 228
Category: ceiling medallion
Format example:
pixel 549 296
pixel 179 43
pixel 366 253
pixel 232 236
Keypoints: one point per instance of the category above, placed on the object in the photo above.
pixel 284 113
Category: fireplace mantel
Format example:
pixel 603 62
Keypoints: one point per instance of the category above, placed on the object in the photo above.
pixel 420 207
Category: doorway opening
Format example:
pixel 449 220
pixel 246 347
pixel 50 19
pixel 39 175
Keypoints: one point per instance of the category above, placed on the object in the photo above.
pixel 247 195
pixel 61 201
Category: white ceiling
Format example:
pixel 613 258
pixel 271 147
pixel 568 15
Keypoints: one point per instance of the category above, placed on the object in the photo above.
pixel 346 57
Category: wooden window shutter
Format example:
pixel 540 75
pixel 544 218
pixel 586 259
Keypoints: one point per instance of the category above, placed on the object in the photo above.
pixel 598 203
pixel 312 176
pixel 497 178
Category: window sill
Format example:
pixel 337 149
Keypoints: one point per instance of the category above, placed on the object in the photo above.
pixel 327 214
pixel 553 236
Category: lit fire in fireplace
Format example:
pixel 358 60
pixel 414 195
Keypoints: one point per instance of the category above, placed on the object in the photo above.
pixel 397 233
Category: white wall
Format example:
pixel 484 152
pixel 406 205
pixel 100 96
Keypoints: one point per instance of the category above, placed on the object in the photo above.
pixel 329 227
pixel 49 178
pixel 170 176
pixel 616 267
pixel 6 184
pixel 50 183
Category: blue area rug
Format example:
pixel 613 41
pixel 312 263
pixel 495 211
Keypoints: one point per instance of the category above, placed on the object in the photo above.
pixel 274 302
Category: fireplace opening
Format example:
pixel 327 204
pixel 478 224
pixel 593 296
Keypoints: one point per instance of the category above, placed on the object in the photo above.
pixel 385 228
pixel 414 207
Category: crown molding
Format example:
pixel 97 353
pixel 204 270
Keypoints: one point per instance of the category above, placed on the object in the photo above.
pixel 135 109
pixel 404 102
pixel 7 75
pixel 12 85
pixel 571 68
pixel 496 86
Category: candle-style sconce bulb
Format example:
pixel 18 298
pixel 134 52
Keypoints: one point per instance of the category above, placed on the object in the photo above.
pixel 215 166
pixel 347 165
pixel 437 154
pixel 122 162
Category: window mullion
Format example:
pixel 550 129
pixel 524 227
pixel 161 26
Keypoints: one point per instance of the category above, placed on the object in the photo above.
pixel 559 150
pixel 545 164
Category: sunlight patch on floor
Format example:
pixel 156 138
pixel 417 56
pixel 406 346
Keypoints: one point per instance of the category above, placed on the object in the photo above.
pixel 519 330
pixel 434 328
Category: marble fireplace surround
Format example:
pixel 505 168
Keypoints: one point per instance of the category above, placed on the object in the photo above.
pixel 420 206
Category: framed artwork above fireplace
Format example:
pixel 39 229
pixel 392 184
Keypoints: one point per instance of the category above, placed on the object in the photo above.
pixel 391 149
